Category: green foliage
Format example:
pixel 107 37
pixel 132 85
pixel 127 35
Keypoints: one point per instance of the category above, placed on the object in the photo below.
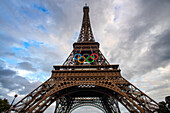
pixel 4 105
pixel 167 99
pixel 164 107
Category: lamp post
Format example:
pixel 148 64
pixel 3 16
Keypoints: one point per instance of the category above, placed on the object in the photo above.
pixel 15 96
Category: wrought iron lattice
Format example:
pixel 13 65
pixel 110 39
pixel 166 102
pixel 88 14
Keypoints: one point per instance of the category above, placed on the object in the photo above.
pixel 80 81
pixel 86 34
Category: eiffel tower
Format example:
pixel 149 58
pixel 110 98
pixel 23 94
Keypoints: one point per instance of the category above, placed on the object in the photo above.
pixel 86 79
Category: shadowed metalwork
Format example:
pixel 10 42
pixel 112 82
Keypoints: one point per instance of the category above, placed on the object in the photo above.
pixel 76 84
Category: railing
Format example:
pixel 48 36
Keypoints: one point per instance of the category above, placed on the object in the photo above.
pixel 87 67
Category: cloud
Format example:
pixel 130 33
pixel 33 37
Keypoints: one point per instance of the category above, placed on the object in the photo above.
pixel 139 33
pixel 36 35
pixel 26 66
pixel 10 82
pixel 6 72
pixel 155 83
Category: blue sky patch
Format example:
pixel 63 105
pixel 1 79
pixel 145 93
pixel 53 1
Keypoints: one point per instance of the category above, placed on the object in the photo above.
pixel 116 9
pixel 76 36
pixel 115 18
pixel 9 60
pixel 20 51
pixel 39 76
pixel 36 43
pixel 42 28
pixel 26 44
pixel 31 43
pixel 17 49
pixel 40 8
pixel 26 12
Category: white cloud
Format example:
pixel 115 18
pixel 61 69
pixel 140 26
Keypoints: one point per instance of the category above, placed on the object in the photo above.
pixel 133 33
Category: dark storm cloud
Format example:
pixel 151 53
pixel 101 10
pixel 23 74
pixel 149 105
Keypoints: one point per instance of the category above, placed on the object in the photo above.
pixel 6 44
pixel 161 48
pixel 10 81
pixel 15 82
pixel 18 83
pixel 6 72
pixel 26 66
pixel 151 13
pixel 144 45
pixel 157 56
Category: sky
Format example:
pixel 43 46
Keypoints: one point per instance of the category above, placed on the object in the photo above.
pixel 37 34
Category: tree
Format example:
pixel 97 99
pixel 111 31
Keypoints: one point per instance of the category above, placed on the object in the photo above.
pixel 164 107
pixel 167 99
pixel 4 105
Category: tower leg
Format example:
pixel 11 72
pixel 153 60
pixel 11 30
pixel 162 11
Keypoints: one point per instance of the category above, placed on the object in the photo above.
pixel 110 105
pixel 61 105
pixel 56 106
pixel 69 104
pixel 106 105
pixel 114 104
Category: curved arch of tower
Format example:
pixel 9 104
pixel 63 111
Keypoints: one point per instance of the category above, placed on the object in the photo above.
pixel 86 78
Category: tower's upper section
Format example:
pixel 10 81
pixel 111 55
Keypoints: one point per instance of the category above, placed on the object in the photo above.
pixel 86 34
pixel 86 50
